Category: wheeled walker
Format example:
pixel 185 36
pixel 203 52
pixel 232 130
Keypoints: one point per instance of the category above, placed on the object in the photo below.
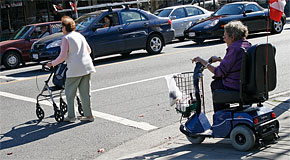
pixel 50 92
pixel 247 121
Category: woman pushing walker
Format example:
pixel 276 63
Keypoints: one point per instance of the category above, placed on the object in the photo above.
pixel 76 52
pixel 227 74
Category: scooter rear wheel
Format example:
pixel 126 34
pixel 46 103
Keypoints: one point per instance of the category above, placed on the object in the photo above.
pixel 195 140
pixel 242 138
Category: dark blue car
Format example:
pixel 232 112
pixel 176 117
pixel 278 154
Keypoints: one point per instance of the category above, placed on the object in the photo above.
pixel 131 29
pixel 250 14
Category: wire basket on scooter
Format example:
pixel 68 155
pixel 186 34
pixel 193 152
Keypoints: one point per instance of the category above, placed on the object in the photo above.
pixel 187 104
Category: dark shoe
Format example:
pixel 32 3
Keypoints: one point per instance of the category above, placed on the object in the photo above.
pixel 88 119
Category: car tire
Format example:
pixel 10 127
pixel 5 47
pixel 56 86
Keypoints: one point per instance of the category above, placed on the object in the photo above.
pixel 11 60
pixel 277 27
pixel 199 41
pixel 181 39
pixel 154 44
pixel 242 138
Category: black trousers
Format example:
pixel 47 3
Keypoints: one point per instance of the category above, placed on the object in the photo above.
pixel 217 84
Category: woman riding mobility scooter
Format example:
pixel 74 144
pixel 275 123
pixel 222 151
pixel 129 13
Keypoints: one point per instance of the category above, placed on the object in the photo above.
pixel 247 122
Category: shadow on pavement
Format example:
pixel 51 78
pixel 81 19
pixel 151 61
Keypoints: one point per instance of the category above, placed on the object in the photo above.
pixel 32 131
pixel 222 149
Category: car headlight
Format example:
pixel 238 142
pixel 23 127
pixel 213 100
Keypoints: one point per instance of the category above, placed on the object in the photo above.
pixel 213 23
pixel 53 44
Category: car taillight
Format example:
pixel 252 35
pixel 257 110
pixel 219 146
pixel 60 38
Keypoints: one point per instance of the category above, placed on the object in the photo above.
pixel 256 120
pixel 273 115
pixel 169 21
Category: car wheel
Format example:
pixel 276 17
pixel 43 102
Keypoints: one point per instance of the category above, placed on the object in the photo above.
pixel 277 27
pixel 154 44
pixel 11 60
pixel 242 138
pixel 199 41
pixel 181 39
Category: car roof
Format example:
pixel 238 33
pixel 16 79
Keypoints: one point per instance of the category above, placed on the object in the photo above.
pixel 43 23
pixel 180 6
pixel 245 2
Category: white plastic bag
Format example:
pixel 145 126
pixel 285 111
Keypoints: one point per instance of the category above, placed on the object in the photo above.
pixel 174 92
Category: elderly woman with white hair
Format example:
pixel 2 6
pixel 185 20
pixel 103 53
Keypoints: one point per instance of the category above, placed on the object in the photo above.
pixel 227 74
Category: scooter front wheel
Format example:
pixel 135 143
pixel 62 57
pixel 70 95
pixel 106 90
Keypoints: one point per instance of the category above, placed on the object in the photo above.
pixel 195 140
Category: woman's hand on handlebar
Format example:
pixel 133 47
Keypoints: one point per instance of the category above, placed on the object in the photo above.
pixel 196 59
pixel 214 59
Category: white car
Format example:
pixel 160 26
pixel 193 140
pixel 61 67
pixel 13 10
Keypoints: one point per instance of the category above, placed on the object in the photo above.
pixel 183 17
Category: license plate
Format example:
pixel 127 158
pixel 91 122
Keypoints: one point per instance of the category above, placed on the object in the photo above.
pixel 35 56
pixel 191 34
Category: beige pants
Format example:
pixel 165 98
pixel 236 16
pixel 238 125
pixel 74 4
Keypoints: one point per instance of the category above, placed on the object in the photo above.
pixel 83 83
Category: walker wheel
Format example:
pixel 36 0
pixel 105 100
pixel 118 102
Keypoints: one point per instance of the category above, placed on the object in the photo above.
pixel 39 112
pixel 58 115
pixel 63 106
pixel 80 106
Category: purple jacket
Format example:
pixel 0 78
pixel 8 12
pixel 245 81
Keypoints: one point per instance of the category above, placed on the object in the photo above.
pixel 230 66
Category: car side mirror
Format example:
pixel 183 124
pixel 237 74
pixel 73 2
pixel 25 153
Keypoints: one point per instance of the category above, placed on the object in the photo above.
pixel 172 17
pixel 97 26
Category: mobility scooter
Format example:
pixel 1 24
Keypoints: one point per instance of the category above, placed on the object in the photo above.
pixel 247 121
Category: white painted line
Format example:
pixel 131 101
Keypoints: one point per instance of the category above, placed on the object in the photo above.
pixel 141 125
pixel 130 83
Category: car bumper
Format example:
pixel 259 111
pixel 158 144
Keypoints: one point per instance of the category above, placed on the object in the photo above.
pixel 168 36
pixel 209 34
pixel 41 55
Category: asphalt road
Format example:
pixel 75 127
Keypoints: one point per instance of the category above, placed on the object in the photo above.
pixel 129 96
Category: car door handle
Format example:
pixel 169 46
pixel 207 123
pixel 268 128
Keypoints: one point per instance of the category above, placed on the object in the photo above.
pixel 120 28
pixel 146 24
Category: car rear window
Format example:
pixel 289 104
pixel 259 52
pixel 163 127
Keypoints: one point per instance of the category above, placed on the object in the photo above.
pixel 164 13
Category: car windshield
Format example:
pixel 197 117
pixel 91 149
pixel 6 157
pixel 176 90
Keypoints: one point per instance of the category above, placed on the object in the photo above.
pixel 232 9
pixel 84 21
pixel 22 32
pixel 163 13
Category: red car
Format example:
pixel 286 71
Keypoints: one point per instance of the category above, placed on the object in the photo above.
pixel 16 50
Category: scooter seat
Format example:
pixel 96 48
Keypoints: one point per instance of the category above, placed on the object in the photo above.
pixel 226 96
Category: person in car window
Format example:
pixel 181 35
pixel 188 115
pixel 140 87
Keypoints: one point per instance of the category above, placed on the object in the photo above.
pixel 108 21
pixel 44 31
pixel 76 52
pixel 227 74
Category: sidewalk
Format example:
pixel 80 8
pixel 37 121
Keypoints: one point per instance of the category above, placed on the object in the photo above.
pixel 174 145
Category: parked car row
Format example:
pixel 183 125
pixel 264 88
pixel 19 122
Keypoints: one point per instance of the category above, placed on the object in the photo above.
pixel 133 29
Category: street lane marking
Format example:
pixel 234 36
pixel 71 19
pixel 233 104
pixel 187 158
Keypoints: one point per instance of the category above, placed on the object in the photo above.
pixel 141 125
pixel 130 83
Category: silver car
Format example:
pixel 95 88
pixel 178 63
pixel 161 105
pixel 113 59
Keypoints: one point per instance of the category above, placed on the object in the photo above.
pixel 182 17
